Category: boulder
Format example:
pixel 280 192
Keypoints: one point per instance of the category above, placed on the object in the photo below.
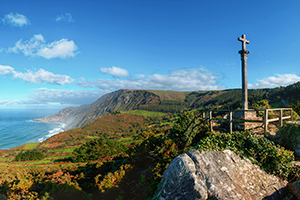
pixel 217 175
pixel 296 188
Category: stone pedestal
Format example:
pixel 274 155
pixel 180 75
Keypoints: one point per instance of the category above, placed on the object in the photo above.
pixel 246 115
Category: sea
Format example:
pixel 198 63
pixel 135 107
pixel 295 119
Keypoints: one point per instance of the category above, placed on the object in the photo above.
pixel 17 127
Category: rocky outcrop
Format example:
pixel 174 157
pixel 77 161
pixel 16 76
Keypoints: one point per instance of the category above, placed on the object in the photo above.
pixel 296 188
pixel 217 175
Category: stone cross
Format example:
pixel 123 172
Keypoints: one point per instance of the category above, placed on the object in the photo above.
pixel 244 41
pixel 244 53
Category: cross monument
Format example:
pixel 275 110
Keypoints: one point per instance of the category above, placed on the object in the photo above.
pixel 244 53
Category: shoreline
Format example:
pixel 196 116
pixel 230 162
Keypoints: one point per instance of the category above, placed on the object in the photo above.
pixel 49 133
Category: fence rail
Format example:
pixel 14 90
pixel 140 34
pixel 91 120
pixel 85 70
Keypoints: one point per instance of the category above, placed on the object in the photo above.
pixel 208 116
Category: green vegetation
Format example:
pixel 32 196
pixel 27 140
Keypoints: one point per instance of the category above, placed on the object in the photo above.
pixel 30 155
pixel 261 151
pixel 144 113
pixel 288 136
pixel 296 107
pixel 98 149
pixel 30 146
pixel 123 155
pixel 187 130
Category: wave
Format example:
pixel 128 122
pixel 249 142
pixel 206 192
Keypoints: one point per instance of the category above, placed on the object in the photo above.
pixel 53 132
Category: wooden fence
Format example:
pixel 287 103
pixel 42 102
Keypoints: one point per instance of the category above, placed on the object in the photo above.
pixel 279 116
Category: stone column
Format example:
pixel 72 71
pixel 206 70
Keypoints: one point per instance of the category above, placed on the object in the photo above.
pixel 244 55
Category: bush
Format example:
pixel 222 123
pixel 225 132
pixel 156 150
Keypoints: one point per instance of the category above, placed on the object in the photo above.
pixel 261 151
pixel 30 155
pixel 188 130
pixel 98 149
pixel 287 136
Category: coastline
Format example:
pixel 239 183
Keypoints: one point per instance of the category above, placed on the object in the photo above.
pixel 19 127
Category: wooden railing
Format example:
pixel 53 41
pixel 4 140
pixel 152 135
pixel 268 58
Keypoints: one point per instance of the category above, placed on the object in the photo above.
pixel 208 116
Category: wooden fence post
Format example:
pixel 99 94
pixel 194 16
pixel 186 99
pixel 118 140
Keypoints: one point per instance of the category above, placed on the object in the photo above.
pixel 266 121
pixel 280 118
pixel 210 121
pixel 230 122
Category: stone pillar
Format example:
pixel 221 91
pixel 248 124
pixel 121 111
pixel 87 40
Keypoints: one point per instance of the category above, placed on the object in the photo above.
pixel 244 55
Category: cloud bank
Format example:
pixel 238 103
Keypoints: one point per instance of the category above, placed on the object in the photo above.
pixel 275 81
pixel 73 97
pixel 179 80
pixel 16 20
pixel 4 70
pixel 37 46
pixel 40 76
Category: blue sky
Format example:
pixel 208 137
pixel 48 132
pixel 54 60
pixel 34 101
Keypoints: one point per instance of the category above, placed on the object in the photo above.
pixel 62 53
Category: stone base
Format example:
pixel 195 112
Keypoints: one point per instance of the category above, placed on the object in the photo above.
pixel 248 115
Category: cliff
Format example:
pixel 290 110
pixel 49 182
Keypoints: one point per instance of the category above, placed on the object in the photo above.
pixel 119 100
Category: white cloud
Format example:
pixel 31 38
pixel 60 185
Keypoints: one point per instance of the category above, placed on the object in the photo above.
pixel 278 80
pixel 42 76
pixel 16 20
pixel 179 80
pixel 56 98
pixel 73 97
pixel 115 71
pixel 61 49
pixel 29 47
pixel 4 70
pixel 65 18
pixel 37 46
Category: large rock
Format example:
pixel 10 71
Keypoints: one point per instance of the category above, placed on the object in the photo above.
pixel 217 175
pixel 296 188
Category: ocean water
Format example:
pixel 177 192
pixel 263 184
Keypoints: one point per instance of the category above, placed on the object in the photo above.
pixel 17 127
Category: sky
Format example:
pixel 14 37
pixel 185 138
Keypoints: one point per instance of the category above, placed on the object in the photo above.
pixel 69 53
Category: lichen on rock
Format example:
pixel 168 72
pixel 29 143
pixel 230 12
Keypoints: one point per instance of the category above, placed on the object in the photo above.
pixel 217 175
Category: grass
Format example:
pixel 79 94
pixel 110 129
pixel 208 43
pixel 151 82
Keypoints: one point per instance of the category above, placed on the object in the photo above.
pixel 93 137
pixel 123 139
pixel 144 113
pixel 30 146
pixel 170 95
pixel 133 142
pixel 37 162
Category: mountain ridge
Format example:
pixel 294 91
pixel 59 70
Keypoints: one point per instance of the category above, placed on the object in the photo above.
pixel 169 101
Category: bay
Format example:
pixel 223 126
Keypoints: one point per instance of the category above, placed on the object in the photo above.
pixel 17 127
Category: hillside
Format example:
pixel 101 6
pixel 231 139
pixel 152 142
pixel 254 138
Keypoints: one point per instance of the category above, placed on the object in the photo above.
pixel 170 102
pixel 78 164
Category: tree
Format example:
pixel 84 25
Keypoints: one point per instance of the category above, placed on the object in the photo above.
pixel 30 155
pixel 98 149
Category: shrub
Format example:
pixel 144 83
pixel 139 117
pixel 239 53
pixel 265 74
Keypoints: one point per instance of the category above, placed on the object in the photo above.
pixel 287 136
pixel 98 149
pixel 261 105
pixel 261 151
pixel 188 130
pixel 30 155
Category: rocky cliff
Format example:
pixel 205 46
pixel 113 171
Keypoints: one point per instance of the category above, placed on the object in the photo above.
pixel 119 100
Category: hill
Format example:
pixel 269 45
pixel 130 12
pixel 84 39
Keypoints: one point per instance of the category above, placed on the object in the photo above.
pixel 170 102
pixel 77 165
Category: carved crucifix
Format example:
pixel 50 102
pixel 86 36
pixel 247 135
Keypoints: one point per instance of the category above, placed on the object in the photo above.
pixel 244 53
pixel 244 41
